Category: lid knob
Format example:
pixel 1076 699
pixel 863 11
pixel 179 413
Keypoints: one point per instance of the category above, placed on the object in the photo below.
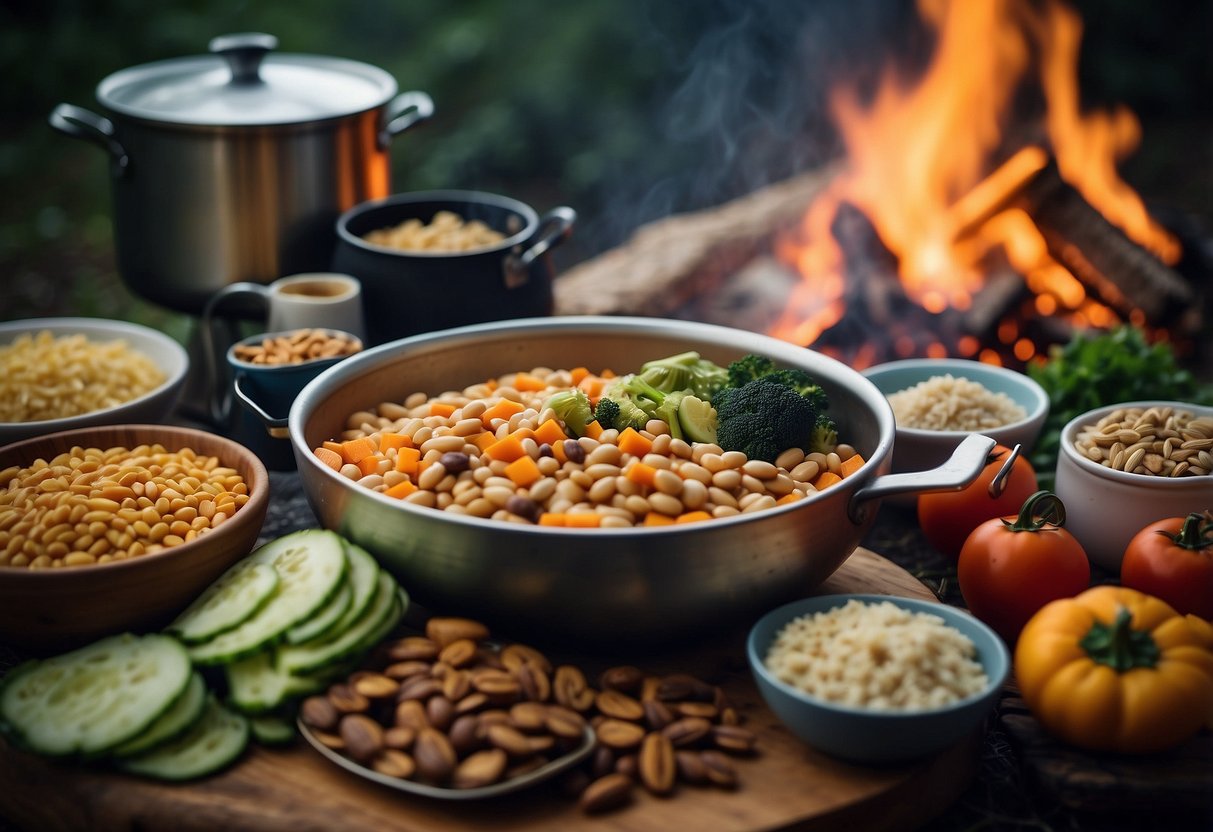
pixel 243 53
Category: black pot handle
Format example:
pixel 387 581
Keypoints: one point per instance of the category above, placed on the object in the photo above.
pixel 274 426
pixel 244 53
pixel 555 227
pixel 80 123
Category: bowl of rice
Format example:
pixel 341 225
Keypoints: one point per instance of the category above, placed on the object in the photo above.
pixel 60 374
pixel 938 402
pixel 876 679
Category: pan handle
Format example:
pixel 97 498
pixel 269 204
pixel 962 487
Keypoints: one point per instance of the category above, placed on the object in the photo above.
pixel 966 462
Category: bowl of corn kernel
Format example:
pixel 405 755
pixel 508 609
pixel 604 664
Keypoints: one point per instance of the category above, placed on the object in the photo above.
pixel 63 373
pixel 115 528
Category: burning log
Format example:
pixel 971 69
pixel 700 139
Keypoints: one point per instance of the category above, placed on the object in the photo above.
pixel 669 264
pixel 1121 273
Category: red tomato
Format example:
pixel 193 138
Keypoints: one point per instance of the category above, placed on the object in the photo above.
pixel 1173 560
pixel 1010 569
pixel 947 517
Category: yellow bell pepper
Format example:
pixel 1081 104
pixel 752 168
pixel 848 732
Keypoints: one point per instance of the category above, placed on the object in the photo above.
pixel 1113 669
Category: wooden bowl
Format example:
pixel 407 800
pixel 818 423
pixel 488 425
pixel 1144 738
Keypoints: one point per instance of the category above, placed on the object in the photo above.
pixel 43 610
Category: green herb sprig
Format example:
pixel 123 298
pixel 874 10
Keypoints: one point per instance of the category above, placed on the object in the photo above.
pixel 1100 368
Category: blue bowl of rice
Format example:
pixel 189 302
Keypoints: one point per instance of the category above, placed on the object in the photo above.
pixel 892 679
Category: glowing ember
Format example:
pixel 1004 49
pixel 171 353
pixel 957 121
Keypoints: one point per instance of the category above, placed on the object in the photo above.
pixel 919 159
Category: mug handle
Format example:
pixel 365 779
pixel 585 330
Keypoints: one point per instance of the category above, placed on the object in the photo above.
pixel 555 227
pixel 274 426
pixel 213 350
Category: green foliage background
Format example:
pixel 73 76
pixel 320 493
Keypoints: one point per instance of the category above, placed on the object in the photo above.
pixel 627 111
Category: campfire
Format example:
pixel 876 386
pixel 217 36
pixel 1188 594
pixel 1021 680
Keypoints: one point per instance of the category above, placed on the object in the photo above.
pixel 978 212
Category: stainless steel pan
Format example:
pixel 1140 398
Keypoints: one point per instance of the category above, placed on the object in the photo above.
pixel 643 584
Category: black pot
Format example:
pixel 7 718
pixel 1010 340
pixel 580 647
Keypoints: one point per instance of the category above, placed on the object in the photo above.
pixel 409 292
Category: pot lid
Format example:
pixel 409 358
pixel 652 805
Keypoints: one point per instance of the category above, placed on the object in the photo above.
pixel 243 82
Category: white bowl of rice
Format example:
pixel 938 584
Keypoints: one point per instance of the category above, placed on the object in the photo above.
pixel 64 373
pixel 877 679
pixel 937 402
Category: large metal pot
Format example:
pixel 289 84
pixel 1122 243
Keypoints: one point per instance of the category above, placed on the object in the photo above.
pixel 642 584
pixel 234 165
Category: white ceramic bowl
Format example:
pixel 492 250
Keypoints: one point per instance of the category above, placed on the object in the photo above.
pixel 152 407
pixel 1105 508
pixel 916 449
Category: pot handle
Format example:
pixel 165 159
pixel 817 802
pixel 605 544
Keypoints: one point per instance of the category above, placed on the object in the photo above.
pixel 404 111
pixel 274 426
pixel 966 462
pixel 555 227
pixel 80 123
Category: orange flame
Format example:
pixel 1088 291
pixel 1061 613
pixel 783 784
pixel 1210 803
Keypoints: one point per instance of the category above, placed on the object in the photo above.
pixel 918 166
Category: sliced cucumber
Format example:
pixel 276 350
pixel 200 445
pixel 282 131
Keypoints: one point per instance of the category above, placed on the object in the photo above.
pixel 324 619
pixel 214 743
pixel 363 577
pixel 314 656
pixel 697 419
pixel 96 698
pixel 174 722
pixel 230 601
pixel 311 565
pixel 256 685
pixel 272 729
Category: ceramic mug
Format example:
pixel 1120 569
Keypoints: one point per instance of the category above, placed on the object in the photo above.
pixel 317 299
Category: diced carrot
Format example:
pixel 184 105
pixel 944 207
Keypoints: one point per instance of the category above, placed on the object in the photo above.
pixel 503 409
pixel 693 517
pixel 583 519
pixel 406 461
pixel 355 450
pixel 441 409
pixel 594 430
pixel 529 383
pixel 577 374
pixel 401 489
pixel 329 457
pixel 654 518
pixel 523 471
pixel 369 464
pixel 851 464
pixel 592 386
pixel 335 447
pixel 607 373
pixel 549 518
pixel 631 442
pixel 550 432
pixel 484 439
pixel 640 473
pixel 825 479
pixel 523 433
pixel 395 440
pixel 790 497
pixel 507 449
pixel 491 383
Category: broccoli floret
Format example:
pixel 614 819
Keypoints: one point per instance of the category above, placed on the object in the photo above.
pixel 573 408
pixel 686 371
pixel 763 418
pixel 802 383
pixel 825 435
pixel 748 368
pixel 636 400
pixel 606 413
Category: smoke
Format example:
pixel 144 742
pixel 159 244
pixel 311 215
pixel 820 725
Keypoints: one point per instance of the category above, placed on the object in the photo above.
pixel 741 101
